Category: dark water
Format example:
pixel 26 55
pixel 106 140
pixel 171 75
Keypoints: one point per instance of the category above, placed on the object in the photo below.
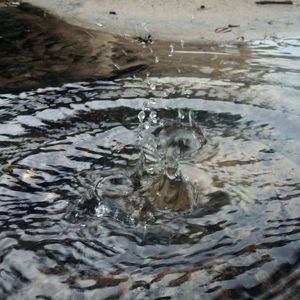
pixel 63 148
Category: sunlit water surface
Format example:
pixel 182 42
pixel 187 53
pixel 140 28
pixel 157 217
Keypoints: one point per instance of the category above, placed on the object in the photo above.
pixel 92 208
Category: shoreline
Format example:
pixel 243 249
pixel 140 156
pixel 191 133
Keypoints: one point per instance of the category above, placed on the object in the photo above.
pixel 51 49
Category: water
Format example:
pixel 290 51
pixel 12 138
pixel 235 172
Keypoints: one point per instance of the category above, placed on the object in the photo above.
pixel 214 213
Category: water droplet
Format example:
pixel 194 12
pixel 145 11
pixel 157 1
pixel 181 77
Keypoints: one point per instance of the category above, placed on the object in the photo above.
pixel 153 117
pixel 180 114
pixel 166 93
pixel 182 43
pixel 152 86
pixel 171 49
pixel 146 125
pixel 144 231
pixel 161 123
pixel 116 214
pixel 191 120
pixel 186 92
pixel 141 116
pixel 146 105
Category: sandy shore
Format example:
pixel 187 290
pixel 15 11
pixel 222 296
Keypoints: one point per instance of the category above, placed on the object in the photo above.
pixel 176 20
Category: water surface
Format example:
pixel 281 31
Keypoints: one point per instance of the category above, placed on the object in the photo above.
pixel 59 240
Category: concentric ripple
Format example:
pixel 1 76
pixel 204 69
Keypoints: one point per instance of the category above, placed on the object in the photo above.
pixel 78 223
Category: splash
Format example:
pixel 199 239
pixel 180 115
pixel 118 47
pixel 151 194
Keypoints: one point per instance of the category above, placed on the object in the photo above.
pixel 156 182
pixel 167 143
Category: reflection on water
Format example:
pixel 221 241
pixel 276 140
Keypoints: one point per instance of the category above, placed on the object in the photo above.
pixel 78 221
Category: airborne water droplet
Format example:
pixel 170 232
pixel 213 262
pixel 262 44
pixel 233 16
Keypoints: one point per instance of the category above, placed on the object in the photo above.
pixel 146 125
pixel 152 86
pixel 141 116
pixel 171 49
pixel 182 43
pixel 180 114
pixel 153 117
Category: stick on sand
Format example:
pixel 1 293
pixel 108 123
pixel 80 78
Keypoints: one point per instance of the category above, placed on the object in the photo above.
pixel 273 2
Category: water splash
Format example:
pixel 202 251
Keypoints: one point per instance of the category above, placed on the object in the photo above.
pixel 156 181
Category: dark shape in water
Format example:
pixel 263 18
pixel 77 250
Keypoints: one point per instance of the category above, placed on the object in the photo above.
pixel 170 193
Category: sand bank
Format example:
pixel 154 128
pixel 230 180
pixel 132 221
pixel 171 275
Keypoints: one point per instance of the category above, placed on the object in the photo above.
pixel 38 49
pixel 176 20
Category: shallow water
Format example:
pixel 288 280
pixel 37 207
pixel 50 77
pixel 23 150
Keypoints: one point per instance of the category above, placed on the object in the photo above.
pixel 240 240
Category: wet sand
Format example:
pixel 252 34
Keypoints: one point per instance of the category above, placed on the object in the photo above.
pixel 38 49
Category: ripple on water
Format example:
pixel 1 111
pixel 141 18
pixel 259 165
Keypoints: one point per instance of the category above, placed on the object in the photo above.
pixel 69 153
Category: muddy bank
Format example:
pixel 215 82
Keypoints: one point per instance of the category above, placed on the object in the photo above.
pixel 38 49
